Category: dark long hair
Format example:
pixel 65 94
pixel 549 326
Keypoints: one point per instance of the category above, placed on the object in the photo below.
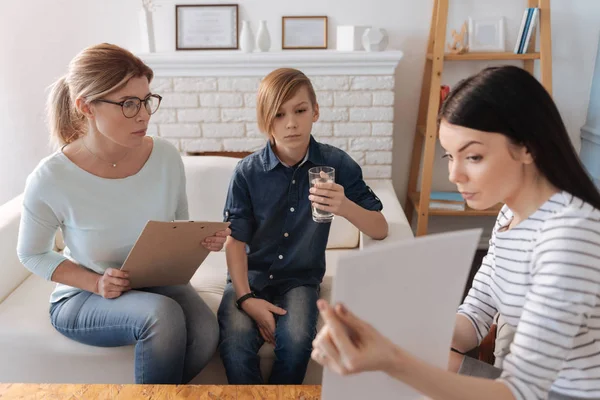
pixel 510 101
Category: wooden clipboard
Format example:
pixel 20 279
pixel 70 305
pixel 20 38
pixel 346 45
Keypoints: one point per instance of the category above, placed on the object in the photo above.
pixel 169 253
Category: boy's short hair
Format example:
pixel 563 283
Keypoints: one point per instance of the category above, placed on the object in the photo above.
pixel 275 89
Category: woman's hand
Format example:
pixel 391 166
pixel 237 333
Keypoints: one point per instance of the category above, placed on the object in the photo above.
pixel 216 242
pixel 348 345
pixel 113 283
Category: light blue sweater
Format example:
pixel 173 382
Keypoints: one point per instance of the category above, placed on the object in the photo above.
pixel 100 218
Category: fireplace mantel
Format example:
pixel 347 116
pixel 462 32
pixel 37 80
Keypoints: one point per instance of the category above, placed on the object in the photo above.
pixel 237 63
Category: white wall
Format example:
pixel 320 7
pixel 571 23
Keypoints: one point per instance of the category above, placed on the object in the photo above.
pixel 38 38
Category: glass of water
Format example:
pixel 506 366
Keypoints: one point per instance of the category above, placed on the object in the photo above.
pixel 322 175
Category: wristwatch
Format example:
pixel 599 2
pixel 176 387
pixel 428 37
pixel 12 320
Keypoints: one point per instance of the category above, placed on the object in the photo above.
pixel 238 302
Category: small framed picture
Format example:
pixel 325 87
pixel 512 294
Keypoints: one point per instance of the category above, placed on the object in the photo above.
pixel 486 34
pixel 206 27
pixel 303 32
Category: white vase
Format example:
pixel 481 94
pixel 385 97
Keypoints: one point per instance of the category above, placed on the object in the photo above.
pixel 246 38
pixel 375 39
pixel 263 39
pixel 147 28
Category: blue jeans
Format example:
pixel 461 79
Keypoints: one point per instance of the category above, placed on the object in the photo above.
pixel 174 332
pixel 240 339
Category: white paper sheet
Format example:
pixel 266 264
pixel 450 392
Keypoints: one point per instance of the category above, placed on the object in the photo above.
pixel 409 291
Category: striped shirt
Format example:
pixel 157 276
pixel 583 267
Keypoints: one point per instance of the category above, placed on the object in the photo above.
pixel 543 277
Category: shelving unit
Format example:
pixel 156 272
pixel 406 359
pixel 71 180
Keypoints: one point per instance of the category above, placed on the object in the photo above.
pixel 417 199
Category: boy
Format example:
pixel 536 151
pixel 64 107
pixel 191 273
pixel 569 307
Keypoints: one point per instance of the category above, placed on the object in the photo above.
pixel 276 252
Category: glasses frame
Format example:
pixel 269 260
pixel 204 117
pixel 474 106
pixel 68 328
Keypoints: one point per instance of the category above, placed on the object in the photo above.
pixel 122 103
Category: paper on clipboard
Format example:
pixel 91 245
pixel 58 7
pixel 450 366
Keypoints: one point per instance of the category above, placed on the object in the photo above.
pixel 168 253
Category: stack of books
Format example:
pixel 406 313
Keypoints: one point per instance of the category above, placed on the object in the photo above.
pixel 446 201
pixel 528 25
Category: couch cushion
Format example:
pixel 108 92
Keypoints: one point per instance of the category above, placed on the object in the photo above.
pixel 33 351
pixel 11 269
pixel 207 181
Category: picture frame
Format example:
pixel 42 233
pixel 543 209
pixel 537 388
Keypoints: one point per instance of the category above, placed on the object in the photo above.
pixel 304 32
pixel 206 27
pixel 487 34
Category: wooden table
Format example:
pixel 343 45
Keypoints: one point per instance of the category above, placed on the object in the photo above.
pixel 127 392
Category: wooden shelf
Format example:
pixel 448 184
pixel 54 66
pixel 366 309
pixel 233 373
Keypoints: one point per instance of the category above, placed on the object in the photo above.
pixel 480 56
pixel 468 212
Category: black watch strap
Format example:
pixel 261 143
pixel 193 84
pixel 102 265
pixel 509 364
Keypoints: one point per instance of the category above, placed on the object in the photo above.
pixel 242 299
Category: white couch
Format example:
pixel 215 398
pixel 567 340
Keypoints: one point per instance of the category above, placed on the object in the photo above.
pixel 32 351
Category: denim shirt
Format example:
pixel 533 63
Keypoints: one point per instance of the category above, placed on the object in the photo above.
pixel 269 210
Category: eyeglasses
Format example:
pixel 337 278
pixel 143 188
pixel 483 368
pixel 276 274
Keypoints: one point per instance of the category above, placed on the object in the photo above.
pixel 131 107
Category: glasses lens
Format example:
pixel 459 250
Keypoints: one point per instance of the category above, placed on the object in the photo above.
pixel 131 107
pixel 152 104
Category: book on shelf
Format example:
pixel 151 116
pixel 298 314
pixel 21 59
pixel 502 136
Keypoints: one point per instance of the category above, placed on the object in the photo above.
pixel 528 26
pixel 446 201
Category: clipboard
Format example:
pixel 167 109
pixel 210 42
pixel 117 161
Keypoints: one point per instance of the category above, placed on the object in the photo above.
pixel 168 253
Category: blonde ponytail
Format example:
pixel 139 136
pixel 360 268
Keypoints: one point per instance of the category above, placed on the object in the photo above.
pixel 95 72
pixel 65 122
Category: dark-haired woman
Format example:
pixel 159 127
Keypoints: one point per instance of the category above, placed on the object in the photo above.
pixel 505 142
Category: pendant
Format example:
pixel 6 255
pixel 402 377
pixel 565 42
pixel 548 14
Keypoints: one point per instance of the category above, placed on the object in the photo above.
pixel 114 165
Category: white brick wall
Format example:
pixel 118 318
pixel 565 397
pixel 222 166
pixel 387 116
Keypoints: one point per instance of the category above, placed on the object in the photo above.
pixel 330 83
pixel 179 130
pixel 199 115
pixel 250 99
pixel 372 83
pixel 359 99
pixel 382 129
pixel 383 98
pixel 372 114
pixel 352 129
pixel 178 100
pixel 252 130
pixel 321 129
pixel 223 130
pixel 196 85
pixel 226 100
pixel 325 99
pixel 219 114
pixel 379 158
pixel 333 114
pixel 238 84
pixel 161 85
pixel 238 114
pixel 244 144
pixel 201 145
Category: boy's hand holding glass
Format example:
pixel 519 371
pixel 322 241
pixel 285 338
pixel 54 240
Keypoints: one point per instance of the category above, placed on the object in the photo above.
pixel 328 196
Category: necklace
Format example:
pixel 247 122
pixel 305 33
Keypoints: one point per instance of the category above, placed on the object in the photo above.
pixel 114 164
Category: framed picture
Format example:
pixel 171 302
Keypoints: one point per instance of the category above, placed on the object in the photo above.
pixel 486 34
pixel 303 32
pixel 206 27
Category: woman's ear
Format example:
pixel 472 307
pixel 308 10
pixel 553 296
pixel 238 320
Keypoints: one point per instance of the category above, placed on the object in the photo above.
pixel 525 155
pixel 84 107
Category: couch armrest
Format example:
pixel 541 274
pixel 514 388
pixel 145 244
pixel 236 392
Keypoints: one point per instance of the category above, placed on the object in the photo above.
pixel 12 271
pixel 399 228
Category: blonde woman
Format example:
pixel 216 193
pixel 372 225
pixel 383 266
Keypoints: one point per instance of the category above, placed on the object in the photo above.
pixel 106 181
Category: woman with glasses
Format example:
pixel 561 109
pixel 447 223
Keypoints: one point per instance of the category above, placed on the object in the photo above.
pixel 106 181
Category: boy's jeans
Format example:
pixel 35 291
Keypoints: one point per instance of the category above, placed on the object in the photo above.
pixel 240 339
